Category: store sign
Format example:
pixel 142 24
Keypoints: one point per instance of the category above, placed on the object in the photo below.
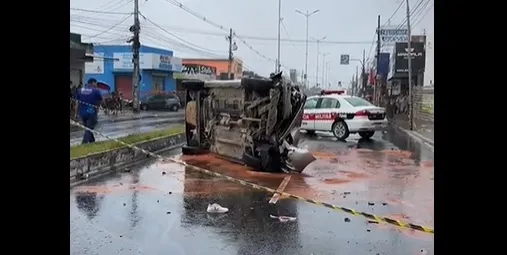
pixel 166 63
pixel 97 66
pixel 197 71
pixel 124 61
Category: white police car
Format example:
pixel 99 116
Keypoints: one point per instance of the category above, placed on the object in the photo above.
pixel 342 115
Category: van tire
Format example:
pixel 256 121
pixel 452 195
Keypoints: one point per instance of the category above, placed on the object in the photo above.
pixel 340 130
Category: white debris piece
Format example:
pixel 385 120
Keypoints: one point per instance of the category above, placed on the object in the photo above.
pixel 283 218
pixel 216 208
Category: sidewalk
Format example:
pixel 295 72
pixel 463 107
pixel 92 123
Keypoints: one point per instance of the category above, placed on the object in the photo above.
pixel 423 131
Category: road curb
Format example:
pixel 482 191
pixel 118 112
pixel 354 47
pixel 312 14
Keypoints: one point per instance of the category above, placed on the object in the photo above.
pixel 417 137
pixel 107 161
pixel 110 120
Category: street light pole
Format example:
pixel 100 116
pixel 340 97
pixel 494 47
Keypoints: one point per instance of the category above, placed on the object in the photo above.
pixel 323 63
pixel 278 65
pixel 318 53
pixel 307 16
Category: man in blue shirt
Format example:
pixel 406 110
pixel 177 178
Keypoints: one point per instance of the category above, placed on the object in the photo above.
pixel 89 101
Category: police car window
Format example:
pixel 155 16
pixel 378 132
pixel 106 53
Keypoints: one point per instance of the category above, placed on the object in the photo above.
pixel 328 103
pixel 357 101
pixel 311 103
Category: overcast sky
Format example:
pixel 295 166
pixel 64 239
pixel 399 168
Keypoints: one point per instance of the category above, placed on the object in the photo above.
pixel 349 26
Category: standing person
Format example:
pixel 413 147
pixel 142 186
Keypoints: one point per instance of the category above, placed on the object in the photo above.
pixel 89 101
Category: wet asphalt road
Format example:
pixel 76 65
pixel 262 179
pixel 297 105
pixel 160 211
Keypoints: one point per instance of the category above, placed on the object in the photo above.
pixel 127 127
pixel 147 212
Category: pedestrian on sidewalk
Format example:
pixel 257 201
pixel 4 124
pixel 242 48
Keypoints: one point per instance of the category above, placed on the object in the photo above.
pixel 89 101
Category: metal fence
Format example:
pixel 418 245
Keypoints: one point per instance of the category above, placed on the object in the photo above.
pixel 423 119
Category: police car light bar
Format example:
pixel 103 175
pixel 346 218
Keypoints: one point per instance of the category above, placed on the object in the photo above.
pixel 330 92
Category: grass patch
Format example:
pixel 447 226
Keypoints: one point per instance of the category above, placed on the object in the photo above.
pixel 101 146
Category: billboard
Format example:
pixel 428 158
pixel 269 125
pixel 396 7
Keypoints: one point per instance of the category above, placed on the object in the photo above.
pixel 417 53
pixel 389 34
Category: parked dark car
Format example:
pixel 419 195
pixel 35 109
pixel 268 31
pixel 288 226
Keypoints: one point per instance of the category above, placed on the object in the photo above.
pixel 160 102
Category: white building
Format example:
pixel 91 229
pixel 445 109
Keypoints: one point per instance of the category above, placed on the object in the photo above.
pixel 429 70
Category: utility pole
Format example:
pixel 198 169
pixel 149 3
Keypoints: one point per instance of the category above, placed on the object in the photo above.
pixel 363 73
pixel 135 58
pixel 318 53
pixel 410 89
pixel 278 65
pixel 377 78
pixel 229 66
pixel 307 16
pixel 357 82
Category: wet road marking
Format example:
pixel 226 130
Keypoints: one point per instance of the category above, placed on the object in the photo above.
pixel 281 188
pixel 395 222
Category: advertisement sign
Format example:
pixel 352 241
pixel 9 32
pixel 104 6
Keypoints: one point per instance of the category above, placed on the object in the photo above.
pixel 125 61
pixel 166 63
pixel 147 61
pixel 402 52
pixel 97 66
pixel 389 34
pixel 197 71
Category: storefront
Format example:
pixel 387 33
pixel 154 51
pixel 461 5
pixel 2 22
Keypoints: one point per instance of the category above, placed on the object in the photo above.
pixel 157 69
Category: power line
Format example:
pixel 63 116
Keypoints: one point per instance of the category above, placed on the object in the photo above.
pixel 199 16
pixel 424 15
pixel 413 12
pixel 111 28
pixel 249 37
pixel 102 12
pixel 175 36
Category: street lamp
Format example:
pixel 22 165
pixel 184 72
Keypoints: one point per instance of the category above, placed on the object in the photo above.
pixel 307 16
pixel 318 52
pixel 323 63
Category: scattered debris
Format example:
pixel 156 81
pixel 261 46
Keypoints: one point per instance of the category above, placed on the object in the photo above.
pixel 368 230
pixel 158 201
pixel 423 252
pixel 216 208
pixel 283 218
pixel 164 173
pixel 121 183
pixel 384 203
pixel 126 169
pixel 344 196
pixel 346 193
pixel 168 213
pixel 124 204
pixel 373 221
pixel 371 203
pixel 121 235
pixel 170 192
pixel 347 220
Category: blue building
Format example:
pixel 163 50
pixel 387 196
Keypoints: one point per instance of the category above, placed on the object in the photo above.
pixel 115 66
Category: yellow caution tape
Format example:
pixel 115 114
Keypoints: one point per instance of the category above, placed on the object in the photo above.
pixel 387 220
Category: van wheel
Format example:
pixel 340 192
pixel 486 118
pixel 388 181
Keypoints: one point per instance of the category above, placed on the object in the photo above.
pixel 366 134
pixel 340 130
pixel 175 108
pixel 144 107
